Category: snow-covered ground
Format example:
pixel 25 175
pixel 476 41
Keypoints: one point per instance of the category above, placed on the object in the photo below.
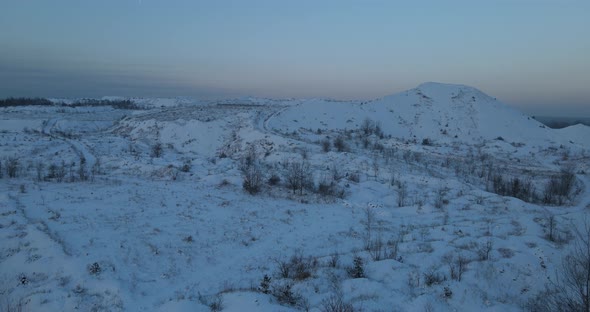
pixel 118 210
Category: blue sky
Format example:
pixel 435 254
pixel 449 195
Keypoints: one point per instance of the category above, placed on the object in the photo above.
pixel 533 54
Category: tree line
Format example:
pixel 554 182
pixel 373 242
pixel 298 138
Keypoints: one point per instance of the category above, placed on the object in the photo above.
pixel 24 101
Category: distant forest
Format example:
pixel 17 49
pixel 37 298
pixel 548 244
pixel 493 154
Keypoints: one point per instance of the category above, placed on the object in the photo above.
pixel 562 122
pixel 118 104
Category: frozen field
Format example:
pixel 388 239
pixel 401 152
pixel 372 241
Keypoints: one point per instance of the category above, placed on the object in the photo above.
pixel 406 203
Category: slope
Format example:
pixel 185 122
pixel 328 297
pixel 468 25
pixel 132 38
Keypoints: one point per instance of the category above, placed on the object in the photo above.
pixel 440 112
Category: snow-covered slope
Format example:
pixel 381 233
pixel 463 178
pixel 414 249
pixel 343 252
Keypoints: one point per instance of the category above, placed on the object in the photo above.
pixel 153 209
pixel 577 133
pixel 440 112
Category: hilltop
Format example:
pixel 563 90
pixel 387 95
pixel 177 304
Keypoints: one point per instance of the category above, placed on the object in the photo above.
pixel 443 113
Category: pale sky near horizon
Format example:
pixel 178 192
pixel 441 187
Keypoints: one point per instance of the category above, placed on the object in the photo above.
pixel 532 54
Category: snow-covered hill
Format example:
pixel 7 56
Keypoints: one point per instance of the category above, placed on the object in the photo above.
pixel 577 133
pixel 440 112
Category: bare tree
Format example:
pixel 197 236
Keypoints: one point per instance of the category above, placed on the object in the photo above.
pixel 369 222
pixel 40 170
pixel 12 167
pixel 485 251
pixel 551 225
pixel 82 169
pixel 96 168
pixel 402 193
pixel 375 166
pixel 250 167
pixel 368 126
pixel 298 175
pixel 252 179
pixel 61 172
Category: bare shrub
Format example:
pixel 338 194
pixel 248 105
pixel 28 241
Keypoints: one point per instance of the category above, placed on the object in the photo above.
pixel 328 188
pixel 439 199
pixel 431 277
pixel 367 126
pixel 546 301
pixel 484 251
pixel 334 260
pixel 392 250
pixel 554 233
pixel 326 145
pixel 447 292
pixel 559 187
pixel 157 150
pixel 274 179
pixel 380 249
pixel 340 144
pixel 7 305
pixel 515 187
pixel 12 166
pixel 571 289
pixel 428 307
pixel 284 294
pixel 40 170
pixel 61 172
pixel 413 281
pixel 284 268
pixel 353 176
pixel 551 225
pixel 574 281
pixel 506 252
pixel 425 247
pixel 335 173
pixel 297 267
pixel 336 304
pixel 82 175
pixel 369 221
pixel 375 248
pixel 97 168
pixel 304 153
pixel 302 267
pixel 186 166
pixel 216 304
pixel 457 265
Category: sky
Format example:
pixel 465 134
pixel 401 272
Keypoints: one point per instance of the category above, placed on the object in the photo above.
pixel 532 54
